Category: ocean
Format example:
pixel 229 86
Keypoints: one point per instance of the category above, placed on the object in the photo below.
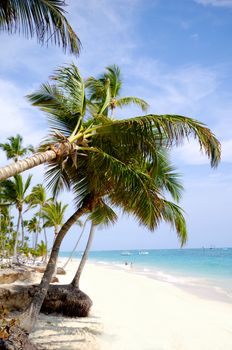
pixel 207 272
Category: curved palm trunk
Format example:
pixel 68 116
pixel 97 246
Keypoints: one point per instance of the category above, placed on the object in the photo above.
pixel 27 163
pixel 76 279
pixel 56 231
pixel 17 237
pixel 28 318
pixel 75 247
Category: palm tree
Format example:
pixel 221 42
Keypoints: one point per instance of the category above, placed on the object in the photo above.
pixel 138 196
pixel 79 222
pixel 15 192
pixel 105 92
pixel 44 19
pixel 5 226
pixel 166 180
pixel 99 157
pixel 14 148
pixel 38 197
pixel 34 227
pixel 75 135
pixel 42 249
pixel 103 215
pixel 53 215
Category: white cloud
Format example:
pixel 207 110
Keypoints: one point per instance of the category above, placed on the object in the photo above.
pixel 17 116
pixel 190 153
pixel 106 30
pixel 175 90
pixel 222 3
pixel 227 151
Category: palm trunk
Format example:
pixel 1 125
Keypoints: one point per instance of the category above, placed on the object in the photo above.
pixel 17 237
pixel 29 317
pixel 75 247
pixel 46 242
pixel 22 228
pixel 27 163
pixel 76 279
pixel 36 235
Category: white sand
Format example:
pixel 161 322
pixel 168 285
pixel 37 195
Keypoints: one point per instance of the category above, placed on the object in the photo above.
pixel 133 312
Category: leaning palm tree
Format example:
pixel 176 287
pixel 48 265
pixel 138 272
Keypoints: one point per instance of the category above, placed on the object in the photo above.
pixel 79 223
pixel 98 156
pixel 166 180
pixel 134 191
pixel 75 135
pixel 15 192
pixel 44 19
pixel 14 148
pixel 103 215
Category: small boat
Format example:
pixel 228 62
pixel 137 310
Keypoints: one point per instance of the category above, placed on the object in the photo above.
pixel 125 253
pixel 143 252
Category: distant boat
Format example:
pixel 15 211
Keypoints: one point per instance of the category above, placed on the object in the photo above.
pixel 143 252
pixel 125 253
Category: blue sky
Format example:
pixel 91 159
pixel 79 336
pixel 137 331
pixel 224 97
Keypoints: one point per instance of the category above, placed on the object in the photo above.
pixel 174 54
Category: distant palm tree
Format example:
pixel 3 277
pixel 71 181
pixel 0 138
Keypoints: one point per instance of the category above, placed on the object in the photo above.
pixel 15 192
pixel 53 214
pixel 44 19
pixel 38 197
pixel 42 249
pixel 33 227
pixel 14 148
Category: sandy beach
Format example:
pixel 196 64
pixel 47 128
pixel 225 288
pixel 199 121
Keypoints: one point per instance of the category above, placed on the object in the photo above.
pixel 134 312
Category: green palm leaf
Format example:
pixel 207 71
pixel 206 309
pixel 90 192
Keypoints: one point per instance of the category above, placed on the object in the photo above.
pixel 44 19
pixel 172 130
pixel 103 215
pixel 126 101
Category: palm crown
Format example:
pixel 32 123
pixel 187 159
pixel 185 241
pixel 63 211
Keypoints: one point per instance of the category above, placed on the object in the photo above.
pixel 114 158
pixel 14 148
pixel 104 92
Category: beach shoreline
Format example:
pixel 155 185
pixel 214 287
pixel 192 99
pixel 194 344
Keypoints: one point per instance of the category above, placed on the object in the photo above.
pixel 131 311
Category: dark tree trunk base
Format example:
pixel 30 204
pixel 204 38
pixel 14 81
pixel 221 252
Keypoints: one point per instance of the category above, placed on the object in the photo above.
pixel 18 340
pixel 67 300
pixel 62 299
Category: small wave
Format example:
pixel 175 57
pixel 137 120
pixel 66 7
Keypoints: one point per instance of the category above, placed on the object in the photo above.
pixel 223 291
pixel 102 262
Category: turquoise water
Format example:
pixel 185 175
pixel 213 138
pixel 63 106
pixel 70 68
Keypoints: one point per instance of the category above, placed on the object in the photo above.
pixel 202 270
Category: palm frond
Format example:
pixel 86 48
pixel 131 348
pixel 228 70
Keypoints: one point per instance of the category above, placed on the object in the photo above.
pixel 69 79
pixel 113 74
pixel 103 215
pixel 164 174
pixel 56 178
pixel 44 19
pixel 125 101
pixel 51 100
pixel 172 130
pixel 173 215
